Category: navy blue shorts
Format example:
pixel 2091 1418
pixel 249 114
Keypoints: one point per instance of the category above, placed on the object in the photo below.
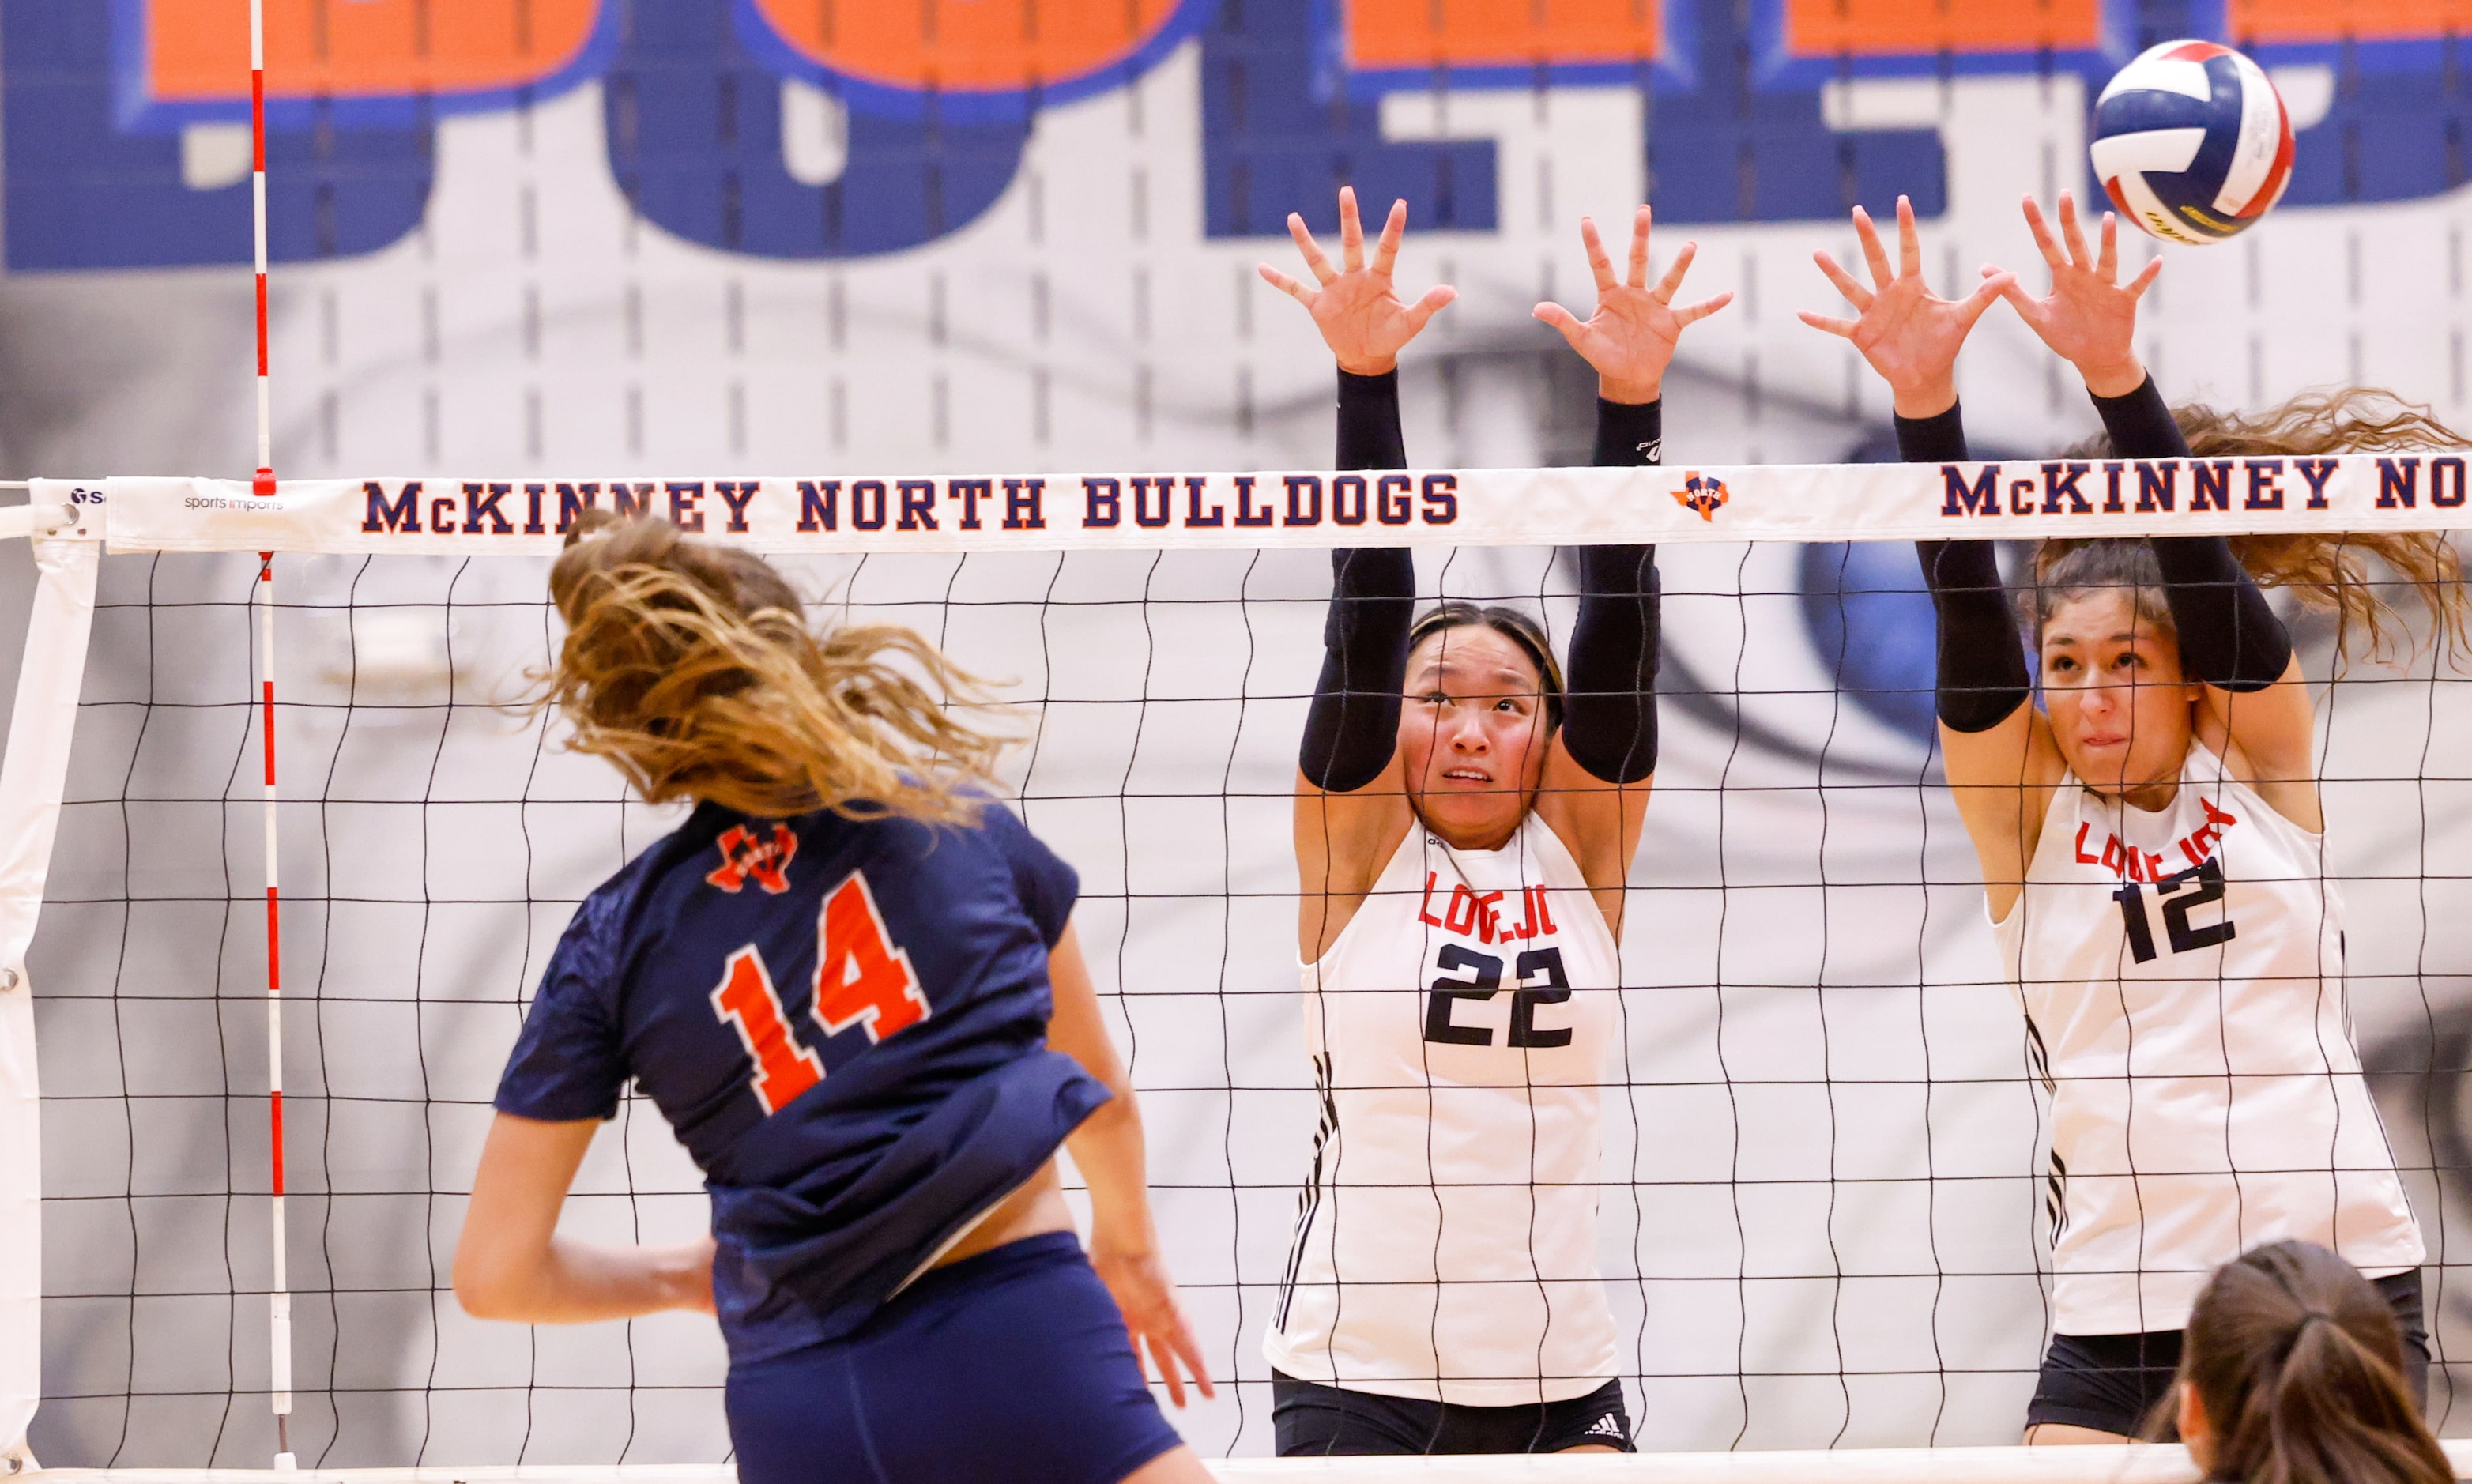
pixel 1013 1365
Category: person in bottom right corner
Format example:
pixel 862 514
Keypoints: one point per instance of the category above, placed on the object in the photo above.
pixel 2292 1372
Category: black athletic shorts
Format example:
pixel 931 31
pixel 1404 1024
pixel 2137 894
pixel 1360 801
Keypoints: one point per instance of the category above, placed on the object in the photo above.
pixel 1314 1421
pixel 2114 1382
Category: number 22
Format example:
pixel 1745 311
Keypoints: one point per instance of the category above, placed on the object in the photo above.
pixel 1484 982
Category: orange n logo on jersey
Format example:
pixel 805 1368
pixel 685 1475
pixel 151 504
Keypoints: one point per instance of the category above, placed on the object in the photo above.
pixel 861 978
pixel 746 856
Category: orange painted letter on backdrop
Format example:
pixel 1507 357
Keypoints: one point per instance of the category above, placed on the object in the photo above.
pixel 972 46
pixel 198 49
pixel 1910 28
pixel 1390 34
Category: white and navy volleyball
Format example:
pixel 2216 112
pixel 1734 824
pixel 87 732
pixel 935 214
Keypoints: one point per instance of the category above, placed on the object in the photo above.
pixel 2191 141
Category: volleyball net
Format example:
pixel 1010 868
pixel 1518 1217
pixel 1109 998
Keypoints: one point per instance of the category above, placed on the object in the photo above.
pixel 1820 1199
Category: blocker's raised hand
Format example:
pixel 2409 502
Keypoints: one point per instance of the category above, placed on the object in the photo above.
pixel 2090 317
pixel 1909 335
pixel 1630 338
pixel 1356 306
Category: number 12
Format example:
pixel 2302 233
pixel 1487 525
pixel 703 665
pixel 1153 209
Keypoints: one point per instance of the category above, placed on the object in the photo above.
pixel 2207 876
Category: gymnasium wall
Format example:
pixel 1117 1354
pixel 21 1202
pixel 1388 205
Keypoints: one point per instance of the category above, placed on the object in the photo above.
pixel 596 238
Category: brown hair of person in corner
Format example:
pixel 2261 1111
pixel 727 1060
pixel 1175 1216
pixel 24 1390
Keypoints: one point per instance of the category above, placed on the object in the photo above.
pixel 2323 570
pixel 2297 1374
pixel 691 667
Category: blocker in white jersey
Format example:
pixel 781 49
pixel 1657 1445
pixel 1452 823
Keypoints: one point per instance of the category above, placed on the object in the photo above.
pixel 1465 827
pixel 1460 1028
pixel 2182 974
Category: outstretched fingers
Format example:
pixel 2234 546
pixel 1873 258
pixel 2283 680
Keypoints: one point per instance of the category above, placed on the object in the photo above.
pixel 1600 264
pixel 1286 285
pixel 1971 307
pixel 2145 278
pixel 1873 254
pixel 1351 230
pixel 1855 294
pixel 1386 252
pixel 2029 308
pixel 1909 241
pixel 1571 325
pixel 1640 220
pixel 2073 232
pixel 1704 309
pixel 2107 265
pixel 1671 283
pixel 1315 259
pixel 1432 304
pixel 1843 329
pixel 2045 242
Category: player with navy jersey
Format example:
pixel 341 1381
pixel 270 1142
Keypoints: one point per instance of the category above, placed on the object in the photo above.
pixel 2152 838
pixel 1464 823
pixel 850 983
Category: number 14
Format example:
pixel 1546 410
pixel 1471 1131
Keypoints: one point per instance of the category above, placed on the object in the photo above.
pixel 861 979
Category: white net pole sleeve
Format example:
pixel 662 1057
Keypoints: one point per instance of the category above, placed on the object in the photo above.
pixel 33 778
pixel 279 1301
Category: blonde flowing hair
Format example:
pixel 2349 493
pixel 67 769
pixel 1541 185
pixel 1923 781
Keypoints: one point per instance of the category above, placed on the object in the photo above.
pixel 2326 571
pixel 691 668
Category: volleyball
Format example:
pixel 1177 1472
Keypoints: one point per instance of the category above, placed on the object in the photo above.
pixel 2192 142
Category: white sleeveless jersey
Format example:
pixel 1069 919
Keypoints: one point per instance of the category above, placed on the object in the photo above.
pixel 2182 974
pixel 1446 1242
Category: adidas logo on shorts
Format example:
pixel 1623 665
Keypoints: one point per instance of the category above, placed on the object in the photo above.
pixel 1605 1427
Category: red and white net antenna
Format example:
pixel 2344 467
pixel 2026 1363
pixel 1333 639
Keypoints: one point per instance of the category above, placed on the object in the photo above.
pixel 279 1300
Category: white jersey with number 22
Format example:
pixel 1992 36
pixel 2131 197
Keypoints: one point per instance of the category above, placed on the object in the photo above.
pixel 1446 1248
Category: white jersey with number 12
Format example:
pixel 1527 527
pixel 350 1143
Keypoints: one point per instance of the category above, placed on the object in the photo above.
pixel 2182 974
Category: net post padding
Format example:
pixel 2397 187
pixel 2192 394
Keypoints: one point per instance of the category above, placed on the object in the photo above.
pixel 2151 1464
pixel 33 777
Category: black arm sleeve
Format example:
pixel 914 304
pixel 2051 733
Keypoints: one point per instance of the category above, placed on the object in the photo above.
pixel 1353 725
pixel 2229 636
pixel 1368 422
pixel 1609 712
pixel 1982 677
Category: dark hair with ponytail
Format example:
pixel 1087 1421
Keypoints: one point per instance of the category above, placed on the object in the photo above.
pixel 2297 1362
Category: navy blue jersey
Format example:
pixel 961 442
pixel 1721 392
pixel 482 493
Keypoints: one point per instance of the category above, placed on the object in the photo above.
pixel 844 1023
